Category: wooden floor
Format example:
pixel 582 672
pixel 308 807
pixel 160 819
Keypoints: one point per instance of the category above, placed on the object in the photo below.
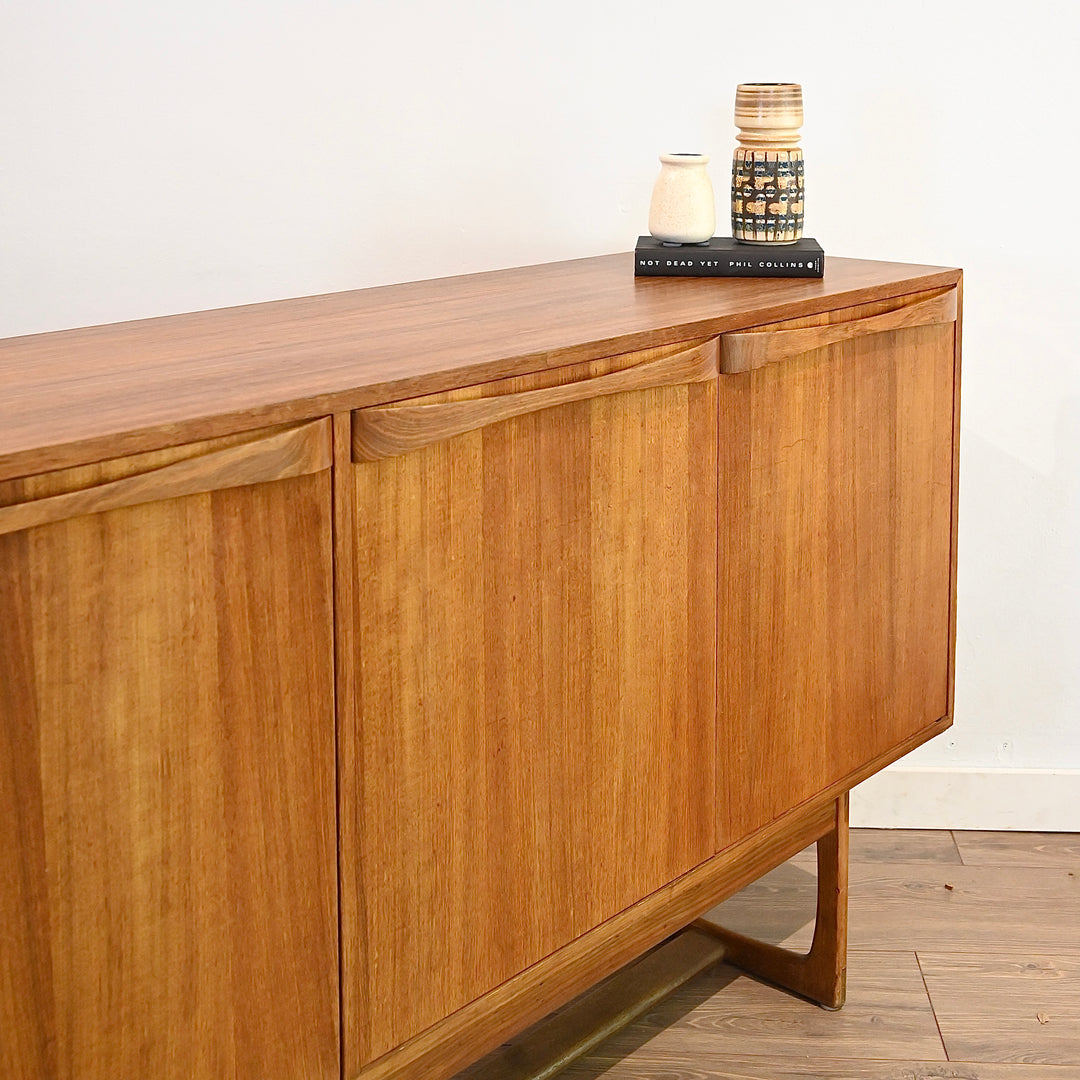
pixel 964 963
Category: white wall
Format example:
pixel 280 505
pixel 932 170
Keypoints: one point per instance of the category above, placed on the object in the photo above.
pixel 174 156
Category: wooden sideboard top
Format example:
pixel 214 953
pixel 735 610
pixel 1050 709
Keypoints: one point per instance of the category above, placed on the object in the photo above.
pixel 76 396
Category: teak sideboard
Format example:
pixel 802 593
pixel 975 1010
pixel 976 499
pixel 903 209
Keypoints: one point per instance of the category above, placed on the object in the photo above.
pixel 379 670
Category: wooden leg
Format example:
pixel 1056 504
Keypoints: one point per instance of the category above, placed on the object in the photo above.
pixel 820 975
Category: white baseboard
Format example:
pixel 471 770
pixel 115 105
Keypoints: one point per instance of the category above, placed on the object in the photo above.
pixel 921 797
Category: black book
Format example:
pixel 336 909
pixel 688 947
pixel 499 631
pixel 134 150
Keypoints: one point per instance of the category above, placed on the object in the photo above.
pixel 723 256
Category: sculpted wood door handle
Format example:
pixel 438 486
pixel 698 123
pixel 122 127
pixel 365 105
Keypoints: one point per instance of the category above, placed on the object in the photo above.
pixel 383 431
pixel 751 349
pixel 297 451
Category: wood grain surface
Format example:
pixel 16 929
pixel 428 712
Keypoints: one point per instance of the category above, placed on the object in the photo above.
pixel 900 906
pixel 167 890
pixel 295 451
pixel 77 396
pixel 756 348
pixel 1019 849
pixel 835 558
pixel 677 1065
pixel 386 430
pixel 1034 910
pixel 999 1007
pixel 536 714
pixel 722 1012
pixel 894 845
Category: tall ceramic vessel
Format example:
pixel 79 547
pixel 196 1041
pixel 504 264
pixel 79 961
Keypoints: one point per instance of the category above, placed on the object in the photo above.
pixel 683 207
pixel 767 189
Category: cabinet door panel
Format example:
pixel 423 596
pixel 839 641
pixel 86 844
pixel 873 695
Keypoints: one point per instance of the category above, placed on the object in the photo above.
pixel 835 559
pixel 167 901
pixel 531 747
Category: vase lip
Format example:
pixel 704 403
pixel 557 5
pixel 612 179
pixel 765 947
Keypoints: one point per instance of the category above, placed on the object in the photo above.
pixel 764 107
pixel 672 158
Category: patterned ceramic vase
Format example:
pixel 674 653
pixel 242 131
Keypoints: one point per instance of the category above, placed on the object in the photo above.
pixel 767 170
pixel 683 207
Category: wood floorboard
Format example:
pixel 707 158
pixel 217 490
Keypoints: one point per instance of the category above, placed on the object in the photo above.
pixel 722 1012
pixel 1006 1008
pixel 1011 909
pixel 894 845
pixel 921 906
pixel 677 1066
pixel 1019 849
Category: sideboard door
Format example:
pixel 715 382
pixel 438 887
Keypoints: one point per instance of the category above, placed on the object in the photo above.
pixel 836 521
pixel 529 746
pixel 167 876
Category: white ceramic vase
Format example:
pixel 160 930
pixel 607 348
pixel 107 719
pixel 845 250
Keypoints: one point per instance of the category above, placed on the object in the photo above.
pixel 683 207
